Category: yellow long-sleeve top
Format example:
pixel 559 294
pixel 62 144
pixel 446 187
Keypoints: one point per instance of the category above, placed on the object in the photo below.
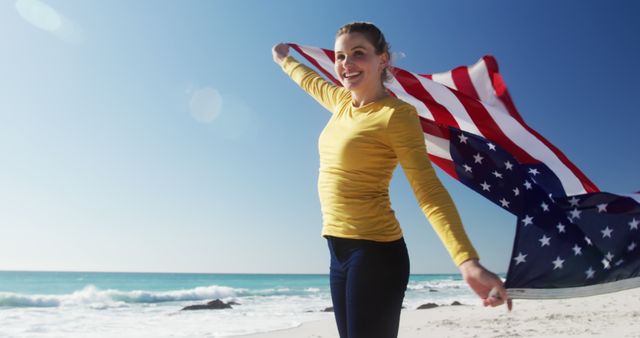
pixel 359 150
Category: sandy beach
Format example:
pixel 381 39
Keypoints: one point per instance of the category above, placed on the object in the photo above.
pixel 610 315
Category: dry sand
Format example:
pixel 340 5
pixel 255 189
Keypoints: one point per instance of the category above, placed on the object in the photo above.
pixel 610 315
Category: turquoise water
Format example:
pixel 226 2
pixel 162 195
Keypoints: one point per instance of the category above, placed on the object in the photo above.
pixel 30 282
pixel 116 304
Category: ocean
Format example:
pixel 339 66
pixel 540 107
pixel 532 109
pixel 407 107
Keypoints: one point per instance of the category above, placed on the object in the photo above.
pixel 108 304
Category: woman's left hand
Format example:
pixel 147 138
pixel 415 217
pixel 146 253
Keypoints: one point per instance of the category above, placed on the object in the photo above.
pixel 482 281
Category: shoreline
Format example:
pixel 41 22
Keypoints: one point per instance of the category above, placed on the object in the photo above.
pixel 609 315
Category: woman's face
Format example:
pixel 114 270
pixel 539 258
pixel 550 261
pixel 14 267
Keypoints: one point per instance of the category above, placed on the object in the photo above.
pixel 357 65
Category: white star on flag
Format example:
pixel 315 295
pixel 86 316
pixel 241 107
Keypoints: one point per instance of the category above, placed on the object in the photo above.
pixel 520 258
pixel 606 232
pixel 557 264
pixel 575 213
pixel 609 256
pixel 574 201
pixel 463 139
pixel 633 225
pixel 590 273
pixel 544 241
pixel 478 158
pixel 577 250
pixel 504 203
pixel 602 207
pixel 527 220
pixel 544 206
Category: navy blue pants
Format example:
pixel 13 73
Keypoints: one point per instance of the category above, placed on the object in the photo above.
pixel 368 280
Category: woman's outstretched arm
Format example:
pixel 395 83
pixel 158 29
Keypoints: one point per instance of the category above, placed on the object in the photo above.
pixel 323 91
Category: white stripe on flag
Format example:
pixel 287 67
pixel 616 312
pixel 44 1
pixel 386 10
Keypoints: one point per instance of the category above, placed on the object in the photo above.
pixel 321 57
pixel 438 146
pixel 444 78
pixel 479 75
pixel 445 97
pixel 397 89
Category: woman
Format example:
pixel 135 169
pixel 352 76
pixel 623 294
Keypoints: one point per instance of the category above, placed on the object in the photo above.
pixel 369 132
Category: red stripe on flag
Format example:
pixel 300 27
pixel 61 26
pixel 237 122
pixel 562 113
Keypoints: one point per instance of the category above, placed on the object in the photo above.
pixel 414 88
pixel 432 128
pixel 315 63
pixel 447 165
pixel 463 82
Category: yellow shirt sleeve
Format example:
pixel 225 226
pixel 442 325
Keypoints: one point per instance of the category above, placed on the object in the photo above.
pixel 323 91
pixel 407 140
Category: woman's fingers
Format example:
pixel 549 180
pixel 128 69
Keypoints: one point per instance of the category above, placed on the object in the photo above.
pixel 280 51
pixel 497 297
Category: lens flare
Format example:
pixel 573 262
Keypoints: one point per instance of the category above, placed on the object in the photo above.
pixel 205 104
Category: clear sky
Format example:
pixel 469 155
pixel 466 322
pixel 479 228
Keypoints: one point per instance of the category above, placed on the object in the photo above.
pixel 160 136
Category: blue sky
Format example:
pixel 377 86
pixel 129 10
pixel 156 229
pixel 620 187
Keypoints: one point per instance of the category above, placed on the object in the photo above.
pixel 114 155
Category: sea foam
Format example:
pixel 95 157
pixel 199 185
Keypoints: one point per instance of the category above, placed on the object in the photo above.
pixel 96 298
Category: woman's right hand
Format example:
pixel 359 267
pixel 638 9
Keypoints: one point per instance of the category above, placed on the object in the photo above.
pixel 280 51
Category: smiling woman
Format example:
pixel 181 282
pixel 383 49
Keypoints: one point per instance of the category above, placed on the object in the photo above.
pixel 369 133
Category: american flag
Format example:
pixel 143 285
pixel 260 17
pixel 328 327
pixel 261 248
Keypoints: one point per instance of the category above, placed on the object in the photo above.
pixel 571 239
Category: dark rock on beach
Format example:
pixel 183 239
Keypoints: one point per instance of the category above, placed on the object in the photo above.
pixel 212 305
pixel 427 306
pixel 456 303
pixel 329 309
